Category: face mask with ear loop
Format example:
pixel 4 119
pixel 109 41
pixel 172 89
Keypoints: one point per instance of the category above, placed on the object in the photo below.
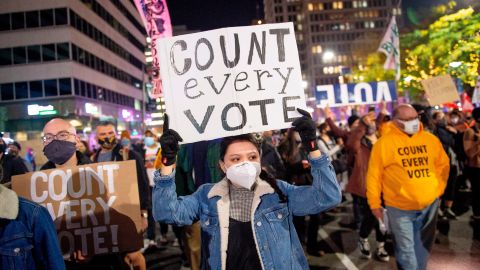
pixel 411 127
pixel 244 174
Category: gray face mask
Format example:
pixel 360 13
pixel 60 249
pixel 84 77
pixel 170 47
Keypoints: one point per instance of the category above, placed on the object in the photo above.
pixel 59 152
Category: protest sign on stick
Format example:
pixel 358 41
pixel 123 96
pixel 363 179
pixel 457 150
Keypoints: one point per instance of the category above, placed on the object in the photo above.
pixel 231 81
pixel 440 89
pixel 95 207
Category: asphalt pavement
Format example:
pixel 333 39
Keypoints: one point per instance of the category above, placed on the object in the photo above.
pixel 457 251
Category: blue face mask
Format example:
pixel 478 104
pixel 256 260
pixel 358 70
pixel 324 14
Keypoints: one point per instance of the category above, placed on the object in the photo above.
pixel 149 141
pixel 125 142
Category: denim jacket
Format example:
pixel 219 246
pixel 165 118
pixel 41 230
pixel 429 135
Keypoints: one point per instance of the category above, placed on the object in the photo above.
pixel 277 242
pixel 28 239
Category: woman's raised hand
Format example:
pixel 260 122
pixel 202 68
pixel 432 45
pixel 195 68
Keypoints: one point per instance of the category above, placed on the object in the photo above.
pixel 169 142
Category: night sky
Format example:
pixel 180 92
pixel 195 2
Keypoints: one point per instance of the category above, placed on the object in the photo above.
pixel 213 14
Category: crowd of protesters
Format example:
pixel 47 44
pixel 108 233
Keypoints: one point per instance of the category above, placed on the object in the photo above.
pixel 372 159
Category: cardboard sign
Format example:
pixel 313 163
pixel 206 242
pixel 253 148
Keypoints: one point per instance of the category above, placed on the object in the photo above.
pixel 231 81
pixel 335 95
pixel 440 89
pixel 95 207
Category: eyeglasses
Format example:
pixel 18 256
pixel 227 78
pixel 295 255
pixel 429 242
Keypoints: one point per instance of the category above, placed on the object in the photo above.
pixel 61 136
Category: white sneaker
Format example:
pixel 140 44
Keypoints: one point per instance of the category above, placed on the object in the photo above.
pixel 364 247
pixel 175 243
pixel 152 243
pixel 381 253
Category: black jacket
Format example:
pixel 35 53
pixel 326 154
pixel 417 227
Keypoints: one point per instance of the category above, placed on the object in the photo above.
pixel 11 165
pixel 142 179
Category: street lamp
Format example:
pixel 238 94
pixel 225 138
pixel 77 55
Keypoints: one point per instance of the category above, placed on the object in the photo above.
pixel 328 56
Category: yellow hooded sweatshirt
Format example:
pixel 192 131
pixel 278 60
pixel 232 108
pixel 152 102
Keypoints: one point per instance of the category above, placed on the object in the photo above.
pixel 410 171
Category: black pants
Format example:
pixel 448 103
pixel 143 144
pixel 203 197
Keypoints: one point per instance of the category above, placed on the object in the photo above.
pixel 369 221
pixel 449 193
pixel 151 227
pixel 474 176
pixel 312 233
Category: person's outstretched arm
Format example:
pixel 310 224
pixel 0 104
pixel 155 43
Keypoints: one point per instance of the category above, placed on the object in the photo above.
pixel 167 206
pixel 324 193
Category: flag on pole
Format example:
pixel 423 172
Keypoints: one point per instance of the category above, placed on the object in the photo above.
pixel 155 17
pixel 390 46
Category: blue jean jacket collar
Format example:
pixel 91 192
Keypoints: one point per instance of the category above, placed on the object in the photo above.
pixel 8 203
pixel 223 207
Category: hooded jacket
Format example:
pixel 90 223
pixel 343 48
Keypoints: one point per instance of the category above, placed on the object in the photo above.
pixel 471 144
pixel 410 171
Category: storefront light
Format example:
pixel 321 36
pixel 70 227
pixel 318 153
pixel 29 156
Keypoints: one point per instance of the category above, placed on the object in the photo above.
pixel 126 114
pixel 36 109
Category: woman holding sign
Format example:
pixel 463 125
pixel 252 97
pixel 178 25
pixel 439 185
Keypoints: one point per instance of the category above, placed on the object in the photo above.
pixel 246 218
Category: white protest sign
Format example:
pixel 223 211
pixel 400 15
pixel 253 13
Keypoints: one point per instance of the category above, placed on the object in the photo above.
pixel 231 81
pixel 95 207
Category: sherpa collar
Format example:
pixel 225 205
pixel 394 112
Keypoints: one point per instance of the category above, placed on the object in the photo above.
pixel 221 188
pixel 8 203
pixel 223 207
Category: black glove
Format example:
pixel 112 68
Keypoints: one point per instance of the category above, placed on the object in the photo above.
pixel 169 142
pixel 307 130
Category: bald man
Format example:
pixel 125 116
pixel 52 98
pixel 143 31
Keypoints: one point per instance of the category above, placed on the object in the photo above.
pixel 59 142
pixel 408 169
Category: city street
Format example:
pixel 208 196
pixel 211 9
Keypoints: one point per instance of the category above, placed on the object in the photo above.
pixel 455 252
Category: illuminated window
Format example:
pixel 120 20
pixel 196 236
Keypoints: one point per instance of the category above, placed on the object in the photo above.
pixel 310 6
pixel 338 5
pixel 317 49
pixel 320 6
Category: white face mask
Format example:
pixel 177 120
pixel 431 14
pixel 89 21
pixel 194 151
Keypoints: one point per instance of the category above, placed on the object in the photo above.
pixel 244 174
pixel 410 127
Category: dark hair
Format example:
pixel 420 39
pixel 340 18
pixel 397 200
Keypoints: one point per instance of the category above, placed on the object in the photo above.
pixel 227 141
pixel 322 127
pixel 288 147
pixel 476 114
pixel 149 132
pixel 105 123
pixel 435 115
pixel 87 153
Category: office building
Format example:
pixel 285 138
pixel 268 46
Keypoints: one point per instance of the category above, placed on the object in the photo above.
pixel 333 36
pixel 81 60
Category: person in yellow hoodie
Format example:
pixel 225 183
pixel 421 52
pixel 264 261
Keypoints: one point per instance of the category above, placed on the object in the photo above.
pixel 409 169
